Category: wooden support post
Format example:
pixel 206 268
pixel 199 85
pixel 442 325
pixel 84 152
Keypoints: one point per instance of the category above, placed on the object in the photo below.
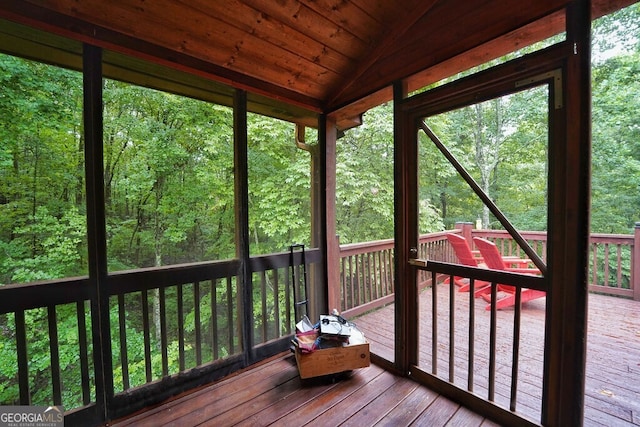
pixel 406 233
pixel 241 189
pixel 329 137
pixel 569 169
pixel 96 228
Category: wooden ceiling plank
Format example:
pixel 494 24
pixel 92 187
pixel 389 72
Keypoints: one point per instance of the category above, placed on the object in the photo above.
pixel 350 17
pixel 233 49
pixel 270 29
pixel 312 24
pixel 283 55
pixel 420 49
pixel 74 28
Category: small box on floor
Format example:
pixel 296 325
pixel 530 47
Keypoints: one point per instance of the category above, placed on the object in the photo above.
pixel 332 360
pixel 332 346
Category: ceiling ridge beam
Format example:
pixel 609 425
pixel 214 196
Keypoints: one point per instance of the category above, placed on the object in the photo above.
pixel 402 26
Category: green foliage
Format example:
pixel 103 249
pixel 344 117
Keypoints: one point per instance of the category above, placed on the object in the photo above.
pixel 60 243
pixel 41 177
pixel 168 178
pixel 616 145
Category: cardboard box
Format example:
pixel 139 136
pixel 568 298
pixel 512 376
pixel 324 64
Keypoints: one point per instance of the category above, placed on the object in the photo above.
pixel 332 360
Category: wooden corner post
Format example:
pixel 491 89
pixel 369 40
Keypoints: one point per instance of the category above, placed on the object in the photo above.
pixel 328 137
pixel 569 188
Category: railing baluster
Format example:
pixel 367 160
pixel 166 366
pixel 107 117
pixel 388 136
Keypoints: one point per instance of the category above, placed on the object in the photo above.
pixel 287 299
pixel 54 353
pixel 434 325
pixel 392 288
pixel 263 292
pixel 595 264
pixel 164 342
pixel 377 264
pixel 472 323
pixel 343 290
pixel 516 348
pixel 492 343
pixel 214 319
pixel 196 320
pixel 146 326
pixel 23 360
pixel 606 265
pixel 358 285
pixel 619 266
pixel 84 352
pixel 452 326
pixel 367 273
pixel 180 303
pixel 230 322
pixel 351 300
pixel 385 273
pixel 276 304
pixel 122 328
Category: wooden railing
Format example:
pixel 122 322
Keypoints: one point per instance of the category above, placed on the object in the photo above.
pixel 457 352
pixel 170 328
pixel 366 282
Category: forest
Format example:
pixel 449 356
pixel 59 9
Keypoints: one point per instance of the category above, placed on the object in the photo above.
pixel 169 175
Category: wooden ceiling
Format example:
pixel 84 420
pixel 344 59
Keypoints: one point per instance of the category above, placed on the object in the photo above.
pixel 307 56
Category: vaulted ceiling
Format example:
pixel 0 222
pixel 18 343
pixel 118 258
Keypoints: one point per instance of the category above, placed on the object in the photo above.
pixel 299 57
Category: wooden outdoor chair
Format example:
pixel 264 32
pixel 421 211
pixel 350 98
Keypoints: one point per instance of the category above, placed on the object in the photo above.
pixel 466 257
pixel 494 260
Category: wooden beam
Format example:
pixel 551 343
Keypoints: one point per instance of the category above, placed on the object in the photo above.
pixel 363 96
pixel 405 233
pixel 241 191
pixel 96 228
pixel 433 39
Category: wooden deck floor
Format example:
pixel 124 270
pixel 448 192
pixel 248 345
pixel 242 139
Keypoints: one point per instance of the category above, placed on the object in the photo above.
pixel 612 386
pixel 274 394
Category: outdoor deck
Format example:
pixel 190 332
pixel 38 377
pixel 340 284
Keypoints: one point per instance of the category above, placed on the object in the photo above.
pixel 612 387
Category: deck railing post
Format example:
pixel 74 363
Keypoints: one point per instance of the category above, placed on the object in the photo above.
pixel 635 268
pixel 467 230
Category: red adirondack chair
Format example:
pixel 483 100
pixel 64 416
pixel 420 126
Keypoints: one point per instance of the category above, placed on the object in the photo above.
pixel 493 259
pixel 466 257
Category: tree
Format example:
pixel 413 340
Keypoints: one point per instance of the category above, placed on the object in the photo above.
pixel 364 176
pixel 279 186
